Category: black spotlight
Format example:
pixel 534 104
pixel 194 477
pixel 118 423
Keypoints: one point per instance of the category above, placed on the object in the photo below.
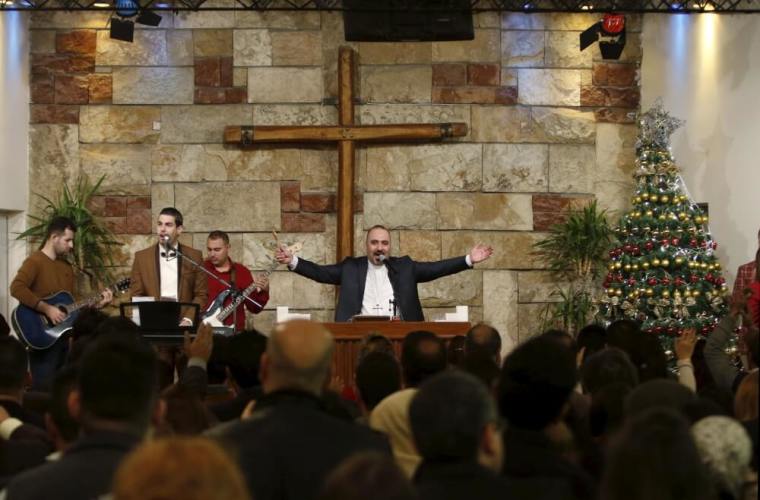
pixel 122 29
pixel 611 29
pixel 148 18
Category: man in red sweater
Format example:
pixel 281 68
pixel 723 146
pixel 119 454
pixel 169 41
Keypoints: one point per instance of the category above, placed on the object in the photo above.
pixel 220 264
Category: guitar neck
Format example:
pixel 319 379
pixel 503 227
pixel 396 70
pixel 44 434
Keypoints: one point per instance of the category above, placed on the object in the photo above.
pixel 236 301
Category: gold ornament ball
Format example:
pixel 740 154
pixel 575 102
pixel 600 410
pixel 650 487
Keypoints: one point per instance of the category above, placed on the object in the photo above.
pixel 649 213
pixel 717 265
pixel 644 196
pixel 637 199
pixel 695 293
pixel 611 267
pixel 661 217
pixel 618 265
pixel 682 216
pixel 645 265
pixel 635 267
pixel 649 292
pixel 687 293
pixel 703 265
pixel 610 292
pixel 704 219
pixel 618 292
pixel 664 198
pixel 679 261
pixel 655 262
pixel 698 219
pixel 665 263
pixel 627 267
pixel 665 293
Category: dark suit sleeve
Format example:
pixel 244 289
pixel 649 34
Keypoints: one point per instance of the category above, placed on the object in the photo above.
pixel 429 271
pixel 323 274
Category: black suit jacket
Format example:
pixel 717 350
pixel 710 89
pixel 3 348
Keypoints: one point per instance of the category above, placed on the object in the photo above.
pixel 404 273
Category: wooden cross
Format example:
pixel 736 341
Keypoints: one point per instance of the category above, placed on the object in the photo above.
pixel 346 134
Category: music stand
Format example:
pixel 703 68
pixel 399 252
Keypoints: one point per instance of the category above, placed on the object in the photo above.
pixel 159 321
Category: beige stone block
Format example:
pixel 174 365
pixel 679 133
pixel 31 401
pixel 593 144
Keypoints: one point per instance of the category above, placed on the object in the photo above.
pixel 161 195
pixel 237 250
pixel 294 114
pixel 42 41
pixel 461 289
pixel 531 322
pixel 475 313
pixel 509 77
pixel 400 210
pixel 571 168
pixel 537 286
pixel 396 83
pixel 153 85
pixel 194 124
pixel 259 248
pixel 288 20
pixel 296 48
pixel 314 168
pixel 230 206
pixel 512 250
pixel 282 85
pixel 503 124
pixel 562 51
pixel 440 167
pixel 240 77
pixel 484 48
pixel 565 125
pixel 190 162
pixel 126 124
pixel 207 18
pixel 396 53
pixel 486 20
pixel 615 197
pixel 179 45
pixel 333 37
pixel 124 254
pixel 126 167
pixel 290 289
pixel 53 160
pixel 381 114
pixel 149 48
pixel 522 49
pixel 252 48
pixel 563 21
pixel 422 246
pixel 615 164
pixel 549 87
pixel 505 212
pixel 515 167
pixel 500 305
pixel 523 21
pixel 212 43
pixel 587 77
pixel 67 20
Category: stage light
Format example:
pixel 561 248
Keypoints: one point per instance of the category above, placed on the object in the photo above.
pixel 611 30
pixel 123 30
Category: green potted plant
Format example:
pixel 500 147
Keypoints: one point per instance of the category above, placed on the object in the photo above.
pixel 575 252
pixel 92 241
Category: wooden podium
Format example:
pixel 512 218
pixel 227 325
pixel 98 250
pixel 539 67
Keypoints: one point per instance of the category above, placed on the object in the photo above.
pixel 348 337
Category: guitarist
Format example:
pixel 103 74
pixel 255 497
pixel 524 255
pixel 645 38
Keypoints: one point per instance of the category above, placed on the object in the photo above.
pixel 220 264
pixel 46 272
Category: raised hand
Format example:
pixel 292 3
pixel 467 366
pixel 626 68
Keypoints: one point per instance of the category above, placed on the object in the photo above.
pixel 684 345
pixel 283 255
pixel 262 282
pixel 479 253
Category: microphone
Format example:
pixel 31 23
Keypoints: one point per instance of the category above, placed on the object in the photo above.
pixel 166 245
pixel 384 260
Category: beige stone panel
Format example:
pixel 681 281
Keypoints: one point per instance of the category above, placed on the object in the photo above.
pixel 124 254
pixel 537 286
pixel 587 77
pixel 179 45
pixel 530 320
pixel 200 124
pixel 149 48
pixel 505 212
pixel 289 20
pixel 294 114
pixel 126 124
pixel 207 18
pixel 500 305
pixel 486 19
pixel 230 206
pixel 522 21
pixel 522 49
pixel 395 53
pixel 67 20
pixel 53 160
pixel 461 289
pixel 316 169
pixel 212 43
pixel 615 164
pixel 509 77
pixel 126 167
pixel 420 245
pixel 615 197
pixel 240 77
pixel 252 48
pixel 200 240
pixel 515 167
pixel 381 114
pixel 396 83
pixel 562 51
pixel 512 250
pixel 190 162
pixel 475 313
pixel 296 48
pixel 262 322
pixel 549 87
pixel 42 41
pixel 153 85
pixel 287 288
pixel 484 48
pixel 400 210
pixel 503 124
pixel 283 85
pixel 161 195
pixel 333 37
pixel 565 125
pixel 259 248
pixel 562 21
pixel 440 167
pixel 571 167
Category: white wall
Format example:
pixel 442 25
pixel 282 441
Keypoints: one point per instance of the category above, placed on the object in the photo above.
pixel 707 70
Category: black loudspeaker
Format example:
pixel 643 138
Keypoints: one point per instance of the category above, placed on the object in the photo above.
pixel 122 30
pixel 148 18
pixel 407 20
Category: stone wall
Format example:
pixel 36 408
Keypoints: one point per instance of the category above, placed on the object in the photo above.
pixel 549 128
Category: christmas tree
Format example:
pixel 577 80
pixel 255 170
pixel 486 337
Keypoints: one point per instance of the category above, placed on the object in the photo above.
pixel 663 271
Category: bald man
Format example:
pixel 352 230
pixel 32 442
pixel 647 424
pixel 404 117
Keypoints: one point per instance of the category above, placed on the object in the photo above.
pixel 290 444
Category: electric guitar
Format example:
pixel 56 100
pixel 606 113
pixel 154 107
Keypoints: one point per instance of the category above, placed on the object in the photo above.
pixel 217 312
pixel 35 329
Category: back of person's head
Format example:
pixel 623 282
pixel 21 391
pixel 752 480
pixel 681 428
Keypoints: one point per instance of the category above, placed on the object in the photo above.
pixel 449 414
pixel 298 356
pixel 117 325
pixel 455 351
pixel 13 365
pixel 535 383
pixel 377 376
pixel 87 322
pixel 58 225
pixel 484 337
pixel 605 367
pixel 108 326
pixel 726 451
pixel 746 398
pixel 186 414
pixel 655 458
pixel 561 336
pixel 243 357
pixel 423 354
pixel 645 351
pixel 118 382
pixel 591 338
pixel 367 476
pixel 373 342
pixel 64 382
pixel 482 366
pixel 659 393
pixel 606 413
pixel 188 468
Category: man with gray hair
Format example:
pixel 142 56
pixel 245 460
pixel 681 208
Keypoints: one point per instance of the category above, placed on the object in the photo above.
pixel 290 444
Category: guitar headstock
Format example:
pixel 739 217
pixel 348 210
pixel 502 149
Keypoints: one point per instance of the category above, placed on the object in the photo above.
pixel 122 285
